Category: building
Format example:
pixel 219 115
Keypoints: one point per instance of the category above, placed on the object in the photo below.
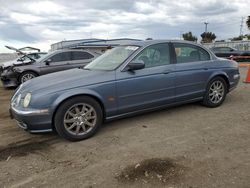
pixel 94 45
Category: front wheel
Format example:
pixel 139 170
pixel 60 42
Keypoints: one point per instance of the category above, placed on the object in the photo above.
pixel 25 76
pixel 216 92
pixel 78 118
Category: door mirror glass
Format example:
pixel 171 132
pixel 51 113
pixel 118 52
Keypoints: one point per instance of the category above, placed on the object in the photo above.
pixel 136 65
pixel 48 61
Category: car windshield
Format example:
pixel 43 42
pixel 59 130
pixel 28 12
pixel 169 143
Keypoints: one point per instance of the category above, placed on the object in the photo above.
pixel 23 58
pixel 34 56
pixel 112 58
pixel 45 56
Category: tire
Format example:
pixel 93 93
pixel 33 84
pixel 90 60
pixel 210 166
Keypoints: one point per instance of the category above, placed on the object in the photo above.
pixel 215 93
pixel 27 75
pixel 74 120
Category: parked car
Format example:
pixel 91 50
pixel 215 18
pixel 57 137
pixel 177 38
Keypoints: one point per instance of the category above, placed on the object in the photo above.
pixel 24 57
pixel 227 52
pixel 127 80
pixel 55 61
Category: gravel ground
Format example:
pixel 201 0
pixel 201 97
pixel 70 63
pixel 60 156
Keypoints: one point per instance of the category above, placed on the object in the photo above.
pixel 186 146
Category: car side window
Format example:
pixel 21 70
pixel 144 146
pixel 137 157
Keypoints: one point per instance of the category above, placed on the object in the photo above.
pixel 77 55
pixel 155 55
pixel 186 53
pixel 63 56
pixel 226 49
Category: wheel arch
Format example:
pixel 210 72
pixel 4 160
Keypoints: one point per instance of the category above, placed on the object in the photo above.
pixel 27 70
pixel 68 96
pixel 222 75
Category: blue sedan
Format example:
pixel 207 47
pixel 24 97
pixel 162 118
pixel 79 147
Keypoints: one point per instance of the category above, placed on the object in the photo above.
pixel 126 80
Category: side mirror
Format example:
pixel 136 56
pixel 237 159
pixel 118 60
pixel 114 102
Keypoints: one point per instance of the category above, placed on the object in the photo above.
pixel 136 65
pixel 48 61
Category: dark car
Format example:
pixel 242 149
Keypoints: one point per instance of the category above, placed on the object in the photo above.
pixel 228 52
pixel 126 80
pixel 55 61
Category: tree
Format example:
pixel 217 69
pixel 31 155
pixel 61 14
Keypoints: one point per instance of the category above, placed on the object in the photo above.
pixel 248 22
pixel 207 37
pixel 189 36
pixel 241 37
pixel 237 38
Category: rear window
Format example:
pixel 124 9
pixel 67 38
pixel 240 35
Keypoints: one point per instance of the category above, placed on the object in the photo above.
pixel 186 53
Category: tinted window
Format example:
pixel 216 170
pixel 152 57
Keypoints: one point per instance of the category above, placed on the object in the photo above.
pixel 81 55
pixel 222 49
pixel 64 56
pixel 155 55
pixel 189 53
pixel 225 49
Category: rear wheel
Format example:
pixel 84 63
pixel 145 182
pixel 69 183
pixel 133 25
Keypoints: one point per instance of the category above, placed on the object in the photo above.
pixel 78 118
pixel 25 76
pixel 216 92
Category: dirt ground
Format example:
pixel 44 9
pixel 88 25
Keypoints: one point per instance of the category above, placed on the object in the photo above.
pixel 187 146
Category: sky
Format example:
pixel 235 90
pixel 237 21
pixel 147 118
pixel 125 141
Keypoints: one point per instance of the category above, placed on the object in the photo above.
pixel 39 23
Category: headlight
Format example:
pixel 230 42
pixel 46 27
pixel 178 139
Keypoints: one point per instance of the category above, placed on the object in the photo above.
pixel 18 99
pixel 26 100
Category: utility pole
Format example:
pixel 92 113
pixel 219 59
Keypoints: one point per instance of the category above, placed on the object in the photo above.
pixel 241 26
pixel 206 23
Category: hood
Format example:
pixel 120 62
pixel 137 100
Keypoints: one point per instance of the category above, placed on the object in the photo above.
pixel 20 52
pixel 13 62
pixel 8 63
pixel 66 80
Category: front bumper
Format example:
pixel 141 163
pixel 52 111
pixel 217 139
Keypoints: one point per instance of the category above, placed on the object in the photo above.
pixel 33 121
pixel 9 78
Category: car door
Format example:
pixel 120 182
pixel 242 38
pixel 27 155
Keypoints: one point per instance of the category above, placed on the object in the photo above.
pixel 57 62
pixel 150 87
pixel 80 58
pixel 192 71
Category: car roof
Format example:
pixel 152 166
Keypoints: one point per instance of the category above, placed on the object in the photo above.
pixel 70 49
pixel 150 42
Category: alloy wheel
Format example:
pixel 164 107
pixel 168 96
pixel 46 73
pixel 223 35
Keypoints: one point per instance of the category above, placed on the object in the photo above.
pixel 27 77
pixel 80 119
pixel 216 91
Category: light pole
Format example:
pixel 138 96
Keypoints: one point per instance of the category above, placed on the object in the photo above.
pixel 206 23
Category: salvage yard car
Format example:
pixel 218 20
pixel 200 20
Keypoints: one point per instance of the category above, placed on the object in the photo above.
pixel 228 52
pixel 127 80
pixel 24 57
pixel 55 61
